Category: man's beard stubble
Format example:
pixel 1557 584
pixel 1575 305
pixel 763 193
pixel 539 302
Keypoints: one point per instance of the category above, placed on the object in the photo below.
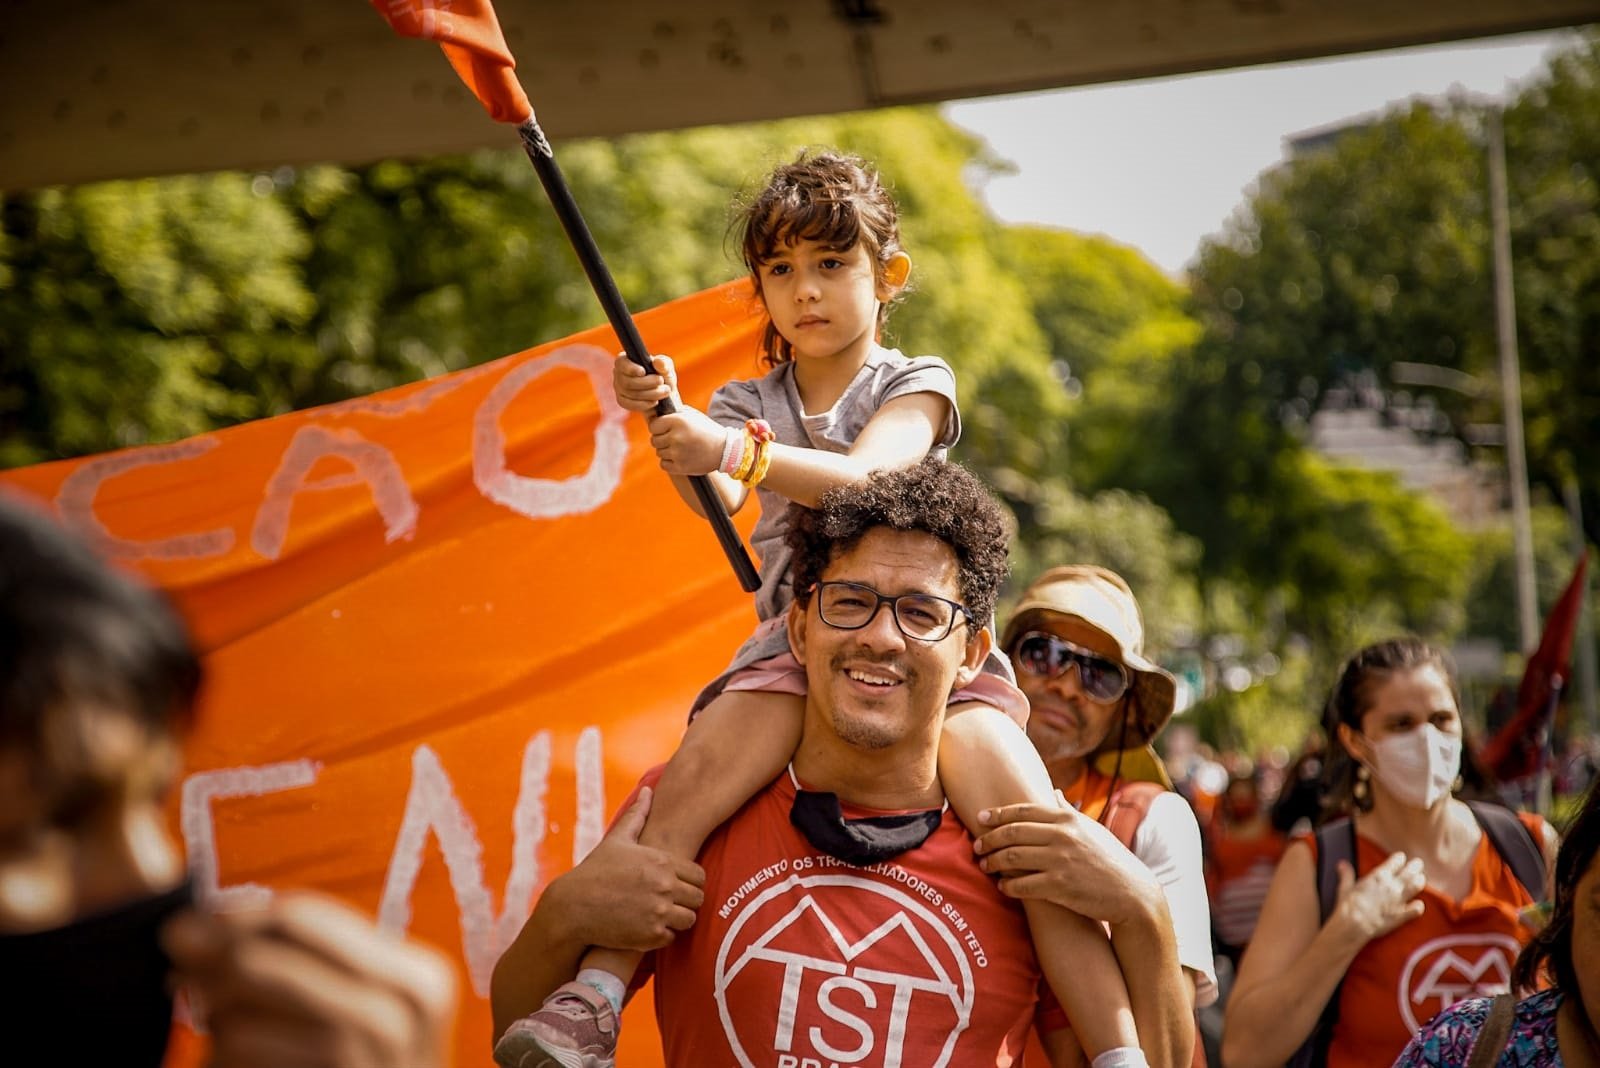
pixel 864 732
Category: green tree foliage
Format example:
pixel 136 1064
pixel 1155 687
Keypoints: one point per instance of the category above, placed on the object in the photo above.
pixel 1365 250
pixel 145 311
pixel 1553 164
pixel 1375 249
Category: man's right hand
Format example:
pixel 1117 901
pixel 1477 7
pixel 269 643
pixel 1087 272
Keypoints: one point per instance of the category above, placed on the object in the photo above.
pixel 630 896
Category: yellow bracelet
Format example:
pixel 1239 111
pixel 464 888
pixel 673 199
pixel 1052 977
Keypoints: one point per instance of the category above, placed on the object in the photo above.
pixel 763 461
pixel 747 458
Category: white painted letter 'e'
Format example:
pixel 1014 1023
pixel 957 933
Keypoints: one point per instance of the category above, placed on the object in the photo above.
pixel 432 804
pixel 75 501
pixel 200 832
pixel 373 465
pixel 543 498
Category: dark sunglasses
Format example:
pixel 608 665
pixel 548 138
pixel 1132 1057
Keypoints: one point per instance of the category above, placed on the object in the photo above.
pixel 1046 656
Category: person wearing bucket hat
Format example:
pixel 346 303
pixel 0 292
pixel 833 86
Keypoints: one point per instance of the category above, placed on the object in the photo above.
pixel 1076 638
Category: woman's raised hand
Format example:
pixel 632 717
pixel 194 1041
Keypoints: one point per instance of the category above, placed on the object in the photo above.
pixel 1382 899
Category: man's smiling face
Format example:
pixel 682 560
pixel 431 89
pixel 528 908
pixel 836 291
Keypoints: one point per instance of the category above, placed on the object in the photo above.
pixel 875 687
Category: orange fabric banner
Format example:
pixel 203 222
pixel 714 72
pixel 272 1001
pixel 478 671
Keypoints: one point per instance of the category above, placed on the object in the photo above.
pixel 446 628
pixel 469 33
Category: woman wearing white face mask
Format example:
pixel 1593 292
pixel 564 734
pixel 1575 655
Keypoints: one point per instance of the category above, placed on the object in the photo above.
pixel 1427 915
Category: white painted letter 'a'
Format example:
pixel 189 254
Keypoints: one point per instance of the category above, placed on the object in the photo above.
pixel 373 465
pixel 432 805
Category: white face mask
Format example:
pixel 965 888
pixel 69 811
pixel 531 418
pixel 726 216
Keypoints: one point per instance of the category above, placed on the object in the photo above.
pixel 1418 767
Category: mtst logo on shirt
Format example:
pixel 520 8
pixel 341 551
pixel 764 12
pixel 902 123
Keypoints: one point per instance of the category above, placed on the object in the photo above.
pixel 859 973
pixel 1446 970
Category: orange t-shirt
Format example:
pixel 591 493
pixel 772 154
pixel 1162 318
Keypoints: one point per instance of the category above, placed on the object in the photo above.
pixel 799 960
pixel 1455 950
pixel 1237 877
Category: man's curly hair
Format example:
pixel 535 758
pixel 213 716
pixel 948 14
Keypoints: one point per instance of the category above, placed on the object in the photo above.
pixel 937 497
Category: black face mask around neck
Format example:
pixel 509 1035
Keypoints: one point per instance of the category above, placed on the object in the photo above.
pixel 103 978
pixel 860 842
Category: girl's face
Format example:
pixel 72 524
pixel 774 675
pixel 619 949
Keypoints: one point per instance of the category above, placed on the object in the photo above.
pixel 823 300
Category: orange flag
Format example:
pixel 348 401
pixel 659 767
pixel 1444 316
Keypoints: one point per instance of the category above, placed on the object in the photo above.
pixel 469 33
pixel 446 628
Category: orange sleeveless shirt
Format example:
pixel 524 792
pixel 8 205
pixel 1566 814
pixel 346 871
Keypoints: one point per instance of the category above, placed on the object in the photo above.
pixel 1453 951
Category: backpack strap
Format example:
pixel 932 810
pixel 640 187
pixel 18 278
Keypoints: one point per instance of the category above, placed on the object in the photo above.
pixel 1515 843
pixel 1128 807
pixel 1495 1032
pixel 1335 841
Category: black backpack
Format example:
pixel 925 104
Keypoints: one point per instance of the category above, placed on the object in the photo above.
pixel 1336 841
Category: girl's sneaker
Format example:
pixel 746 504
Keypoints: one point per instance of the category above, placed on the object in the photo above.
pixel 576 1027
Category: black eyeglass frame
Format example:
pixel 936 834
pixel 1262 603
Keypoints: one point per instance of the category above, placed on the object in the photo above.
pixel 960 615
pixel 1077 657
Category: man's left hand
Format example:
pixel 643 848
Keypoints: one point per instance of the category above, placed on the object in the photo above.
pixel 1056 854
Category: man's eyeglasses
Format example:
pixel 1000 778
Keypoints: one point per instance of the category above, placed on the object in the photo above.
pixel 851 606
pixel 1046 656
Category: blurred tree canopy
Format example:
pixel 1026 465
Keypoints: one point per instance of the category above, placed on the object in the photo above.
pixel 1373 248
pixel 1153 425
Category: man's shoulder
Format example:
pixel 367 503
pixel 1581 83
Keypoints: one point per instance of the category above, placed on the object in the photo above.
pixel 1159 822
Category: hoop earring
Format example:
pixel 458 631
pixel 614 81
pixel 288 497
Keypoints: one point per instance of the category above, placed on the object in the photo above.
pixel 1361 791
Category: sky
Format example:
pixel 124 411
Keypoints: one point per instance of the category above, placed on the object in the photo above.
pixel 1159 164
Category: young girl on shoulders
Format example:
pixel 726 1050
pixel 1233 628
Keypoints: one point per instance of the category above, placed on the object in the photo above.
pixel 822 244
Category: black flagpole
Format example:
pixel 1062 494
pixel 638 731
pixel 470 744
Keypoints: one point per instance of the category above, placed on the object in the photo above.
pixel 605 288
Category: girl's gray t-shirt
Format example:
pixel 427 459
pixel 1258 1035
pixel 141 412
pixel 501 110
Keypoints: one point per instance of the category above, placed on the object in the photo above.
pixel 887 374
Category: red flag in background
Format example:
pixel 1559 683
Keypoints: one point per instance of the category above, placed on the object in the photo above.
pixel 1517 749
pixel 470 35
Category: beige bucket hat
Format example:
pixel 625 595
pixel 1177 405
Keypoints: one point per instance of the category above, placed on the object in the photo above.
pixel 1103 600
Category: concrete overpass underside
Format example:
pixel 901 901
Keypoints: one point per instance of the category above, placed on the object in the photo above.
pixel 99 89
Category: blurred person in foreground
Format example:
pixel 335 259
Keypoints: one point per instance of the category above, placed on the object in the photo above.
pixel 1096 703
pixel 1430 910
pixel 98 684
pixel 1556 1026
